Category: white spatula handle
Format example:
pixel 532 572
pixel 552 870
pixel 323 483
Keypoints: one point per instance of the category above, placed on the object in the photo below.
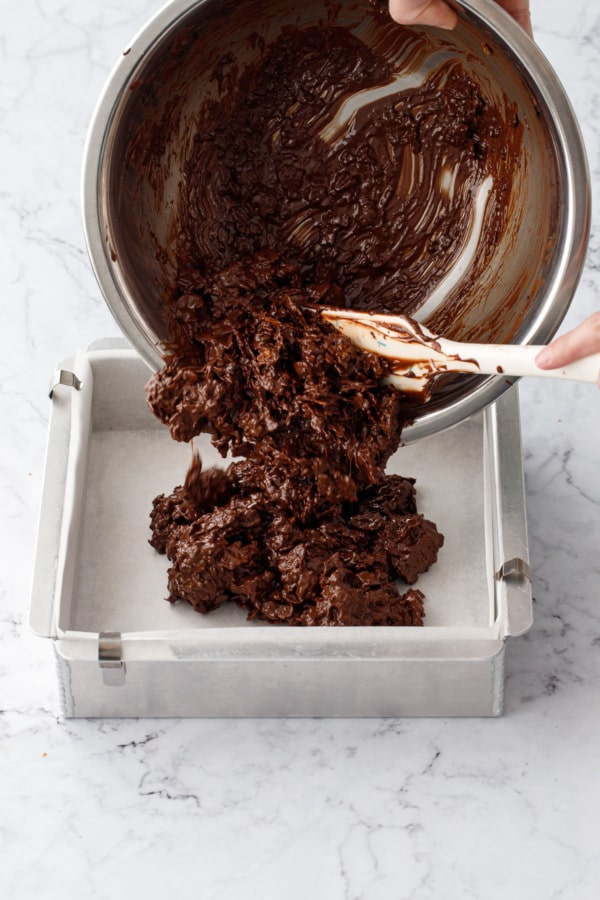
pixel 512 359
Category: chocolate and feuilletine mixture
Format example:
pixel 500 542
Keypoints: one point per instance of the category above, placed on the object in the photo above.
pixel 304 526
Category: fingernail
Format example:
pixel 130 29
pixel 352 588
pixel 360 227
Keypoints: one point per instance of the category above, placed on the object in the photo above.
pixel 544 358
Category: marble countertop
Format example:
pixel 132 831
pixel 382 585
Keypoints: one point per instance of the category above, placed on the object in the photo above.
pixel 237 809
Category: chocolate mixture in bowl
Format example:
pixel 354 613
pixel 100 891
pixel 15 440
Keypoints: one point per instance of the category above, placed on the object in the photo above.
pixel 282 214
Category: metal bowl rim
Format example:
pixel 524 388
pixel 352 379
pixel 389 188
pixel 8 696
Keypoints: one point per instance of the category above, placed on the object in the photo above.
pixel 558 292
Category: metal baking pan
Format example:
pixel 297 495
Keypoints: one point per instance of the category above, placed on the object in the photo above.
pixel 121 650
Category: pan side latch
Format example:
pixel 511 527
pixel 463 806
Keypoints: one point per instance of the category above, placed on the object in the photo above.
pixel 109 657
pixel 66 377
pixel 515 568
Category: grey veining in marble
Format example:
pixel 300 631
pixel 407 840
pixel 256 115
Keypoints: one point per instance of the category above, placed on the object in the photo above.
pixel 233 810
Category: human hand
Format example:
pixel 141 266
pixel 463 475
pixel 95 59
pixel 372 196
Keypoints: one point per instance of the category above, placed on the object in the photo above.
pixel 438 13
pixel 576 344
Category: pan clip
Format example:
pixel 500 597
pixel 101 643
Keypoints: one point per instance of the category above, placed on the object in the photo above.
pixel 64 376
pixel 514 568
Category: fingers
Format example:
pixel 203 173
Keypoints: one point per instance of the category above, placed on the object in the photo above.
pixel 519 10
pixel 576 344
pixel 438 13
pixel 423 12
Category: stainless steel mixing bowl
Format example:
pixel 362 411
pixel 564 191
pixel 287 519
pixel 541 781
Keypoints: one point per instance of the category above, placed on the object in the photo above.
pixel 520 294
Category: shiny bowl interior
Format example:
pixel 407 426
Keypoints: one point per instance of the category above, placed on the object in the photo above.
pixel 519 293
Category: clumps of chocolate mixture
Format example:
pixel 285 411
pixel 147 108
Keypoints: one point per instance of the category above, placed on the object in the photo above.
pixel 307 529
pixel 229 540
pixel 257 369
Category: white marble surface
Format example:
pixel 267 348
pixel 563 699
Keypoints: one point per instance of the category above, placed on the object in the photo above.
pixel 232 810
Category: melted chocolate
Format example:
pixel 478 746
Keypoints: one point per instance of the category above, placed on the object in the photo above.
pixel 376 211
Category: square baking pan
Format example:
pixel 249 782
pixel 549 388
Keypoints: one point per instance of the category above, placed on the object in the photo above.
pixel 121 650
